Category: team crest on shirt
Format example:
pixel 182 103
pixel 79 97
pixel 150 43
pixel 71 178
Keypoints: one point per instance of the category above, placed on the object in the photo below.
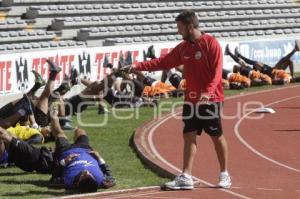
pixel 198 55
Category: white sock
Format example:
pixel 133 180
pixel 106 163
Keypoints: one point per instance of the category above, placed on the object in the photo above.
pixel 154 83
pixel 169 74
pixel 228 75
pixel 224 173
pixel 101 161
pixel 187 175
pixel 35 126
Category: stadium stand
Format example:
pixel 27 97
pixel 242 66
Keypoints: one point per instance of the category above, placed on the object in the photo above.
pixel 114 22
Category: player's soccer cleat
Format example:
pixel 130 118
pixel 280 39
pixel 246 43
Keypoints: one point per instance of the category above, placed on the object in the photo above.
pixel 66 78
pixel 38 78
pixel 151 53
pixel 180 182
pixel 102 110
pixel 236 52
pixel 74 76
pixel 53 67
pixel 226 52
pixel 67 126
pixel 24 103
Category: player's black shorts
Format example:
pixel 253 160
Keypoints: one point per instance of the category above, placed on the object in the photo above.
pixel 109 96
pixel 138 87
pixel 30 158
pixel 245 71
pixel 202 117
pixel 118 100
pixel 175 80
pixel 7 110
pixel 72 105
pixel 62 144
pixel 41 118
pixel 148 81
pixel 267 70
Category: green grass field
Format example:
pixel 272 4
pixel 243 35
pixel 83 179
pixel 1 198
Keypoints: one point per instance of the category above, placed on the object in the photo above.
pixel 112 140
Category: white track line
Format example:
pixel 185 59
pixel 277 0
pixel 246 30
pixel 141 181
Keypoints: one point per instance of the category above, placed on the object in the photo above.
pixel 237 133
pixel 120 192
pixel 150 140
pixel 227 98
pixel 269 189
pixel 160 197
pixel 132 195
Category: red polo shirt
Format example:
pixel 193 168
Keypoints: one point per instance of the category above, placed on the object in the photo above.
pixel 203 63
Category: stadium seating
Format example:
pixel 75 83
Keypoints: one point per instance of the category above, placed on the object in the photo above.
pixel 114 22
pixel 12 24
pixel 22 35
pixel 16 47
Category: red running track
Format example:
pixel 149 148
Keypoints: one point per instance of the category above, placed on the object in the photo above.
pixel 264 159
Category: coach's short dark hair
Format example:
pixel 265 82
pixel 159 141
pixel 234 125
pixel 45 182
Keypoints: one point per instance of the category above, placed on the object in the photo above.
pixel 188 17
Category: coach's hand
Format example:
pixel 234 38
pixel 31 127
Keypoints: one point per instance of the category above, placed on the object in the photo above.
pixel 204 99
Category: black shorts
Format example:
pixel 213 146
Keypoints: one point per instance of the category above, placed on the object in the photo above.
pixel 41 118
pixel 267 70
pixel 30 158
pixel 202 117
pixel 118 100
pixel 175 80
pixel 138 87
pixel 72 105
pixel 7 110
pixel 62 144
pixel 245 71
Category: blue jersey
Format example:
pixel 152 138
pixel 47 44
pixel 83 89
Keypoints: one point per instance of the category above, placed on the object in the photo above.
pixel 4 159
pixel 83 162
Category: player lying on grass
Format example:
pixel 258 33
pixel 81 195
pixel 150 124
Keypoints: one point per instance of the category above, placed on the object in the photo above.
pixel 155 87
pixel 42 103
pixel 78 166
pixel 277 72
pixel 35 107
pixel 232 80
pixel 96 91
pixel 15 111
pixel 19 125
pixel 73 166
pixel 247 71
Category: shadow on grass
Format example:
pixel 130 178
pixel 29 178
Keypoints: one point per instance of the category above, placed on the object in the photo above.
pixel 38 183
pixel 31 193
pixel 9 174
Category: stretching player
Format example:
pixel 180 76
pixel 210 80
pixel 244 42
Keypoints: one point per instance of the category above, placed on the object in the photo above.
pixel 277 72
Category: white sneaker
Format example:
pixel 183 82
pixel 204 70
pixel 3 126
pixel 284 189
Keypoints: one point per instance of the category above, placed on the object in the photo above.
pixel 180 182
pixel 225 181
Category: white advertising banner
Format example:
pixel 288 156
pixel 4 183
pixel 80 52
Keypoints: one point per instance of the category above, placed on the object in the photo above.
pixel 16 76
pixel 15 69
